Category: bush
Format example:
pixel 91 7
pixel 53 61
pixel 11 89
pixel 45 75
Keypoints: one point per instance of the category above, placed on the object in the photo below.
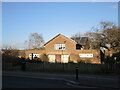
pixel 109 60
pixel 80 61
pixel 74 57
pixel 70 61
pixel 10 59
pixel 36 59
pixel 44 58
pixel 117 55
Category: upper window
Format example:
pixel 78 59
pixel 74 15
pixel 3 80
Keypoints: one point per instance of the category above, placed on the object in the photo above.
pixel 78 47
pixel 59 46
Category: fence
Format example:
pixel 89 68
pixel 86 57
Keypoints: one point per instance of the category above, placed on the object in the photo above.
pixel 64 67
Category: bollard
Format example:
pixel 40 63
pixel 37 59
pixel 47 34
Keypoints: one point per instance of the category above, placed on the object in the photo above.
pixel 23 66
pixel 76 72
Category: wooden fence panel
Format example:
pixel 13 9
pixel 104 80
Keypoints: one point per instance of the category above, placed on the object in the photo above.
pixel 66 67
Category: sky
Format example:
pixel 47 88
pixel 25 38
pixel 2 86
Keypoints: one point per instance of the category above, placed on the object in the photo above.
pixel 20 19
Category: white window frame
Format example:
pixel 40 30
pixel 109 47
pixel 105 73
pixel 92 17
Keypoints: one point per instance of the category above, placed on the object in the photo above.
pixel 59 46
pixel 86 55
pixel 34 55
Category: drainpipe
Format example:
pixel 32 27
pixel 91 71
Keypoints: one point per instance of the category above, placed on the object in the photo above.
pixel 32 55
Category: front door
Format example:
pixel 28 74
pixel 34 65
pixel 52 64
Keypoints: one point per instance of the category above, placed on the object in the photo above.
pixel 64 58
pixel 58 58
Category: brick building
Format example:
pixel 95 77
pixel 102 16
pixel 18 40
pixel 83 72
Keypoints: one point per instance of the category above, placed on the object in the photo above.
pixel 62 49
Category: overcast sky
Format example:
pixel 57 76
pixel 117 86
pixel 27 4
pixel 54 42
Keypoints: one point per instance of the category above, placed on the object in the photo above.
pixel 20 19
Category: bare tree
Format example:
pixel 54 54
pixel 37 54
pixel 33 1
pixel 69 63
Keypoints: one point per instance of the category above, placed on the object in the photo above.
pixel 75 36
pixel 35 41
pixel 94 39
pixel 106 35
pixel 8 47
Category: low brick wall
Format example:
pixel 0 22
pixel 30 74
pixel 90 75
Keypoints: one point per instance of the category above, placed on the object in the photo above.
pixel 27 52
pixel 94 59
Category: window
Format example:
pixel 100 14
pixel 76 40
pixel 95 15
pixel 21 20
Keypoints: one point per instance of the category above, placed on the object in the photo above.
pixel 78 46
pixel 86 55
pixel 59 46
pixel 34 55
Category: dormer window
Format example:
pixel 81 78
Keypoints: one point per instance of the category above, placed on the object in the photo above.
pixel 59 46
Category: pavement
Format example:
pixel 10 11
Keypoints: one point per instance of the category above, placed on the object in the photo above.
pixel 90 80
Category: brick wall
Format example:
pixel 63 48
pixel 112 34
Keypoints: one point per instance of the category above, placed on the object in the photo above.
pixel 74 53
pixel 94 59
pixel 69 44
pixel 27 52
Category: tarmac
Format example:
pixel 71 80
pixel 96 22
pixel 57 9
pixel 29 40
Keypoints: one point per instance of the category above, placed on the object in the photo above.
pixel 90 80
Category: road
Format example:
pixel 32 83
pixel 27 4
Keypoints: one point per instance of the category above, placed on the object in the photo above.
pixel 24 82
pixel 49 80
pixel 12 82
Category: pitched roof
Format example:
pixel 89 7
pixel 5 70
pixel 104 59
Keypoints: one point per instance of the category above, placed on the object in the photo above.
pixel 58 36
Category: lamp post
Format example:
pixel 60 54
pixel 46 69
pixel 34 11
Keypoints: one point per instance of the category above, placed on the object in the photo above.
pixel 76 68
